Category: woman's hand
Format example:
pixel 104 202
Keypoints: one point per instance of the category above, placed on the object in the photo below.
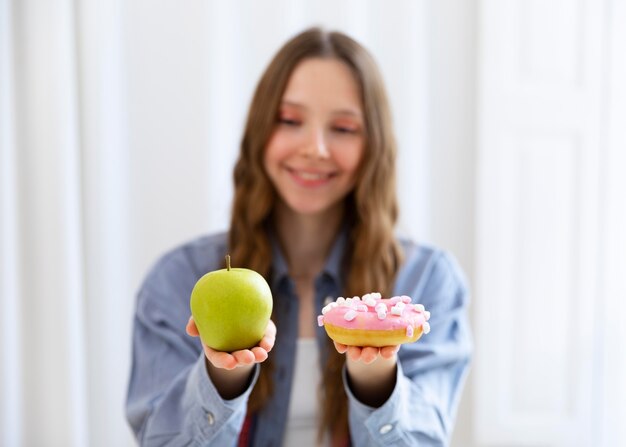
pixel 371 372
pixel 230 372
pixel 243 357
pixel 366 354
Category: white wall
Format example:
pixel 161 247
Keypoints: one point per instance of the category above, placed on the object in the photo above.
pixel 452 36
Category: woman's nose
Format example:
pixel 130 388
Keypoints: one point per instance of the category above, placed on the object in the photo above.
pixel 317 146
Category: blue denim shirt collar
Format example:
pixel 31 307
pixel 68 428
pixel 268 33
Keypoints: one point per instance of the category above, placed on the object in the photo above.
pixel 333 267
pixel 280 271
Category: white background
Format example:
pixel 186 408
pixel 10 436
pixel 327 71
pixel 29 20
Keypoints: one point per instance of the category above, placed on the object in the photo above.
pixel 119 126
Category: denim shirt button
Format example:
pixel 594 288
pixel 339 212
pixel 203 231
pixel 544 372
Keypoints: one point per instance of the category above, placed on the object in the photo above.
pixel 385 429
pixel 329 299
pixel 210 418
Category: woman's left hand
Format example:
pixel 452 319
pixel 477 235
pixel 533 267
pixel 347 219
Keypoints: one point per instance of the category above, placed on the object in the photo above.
pixel 372 371
pixel 367 354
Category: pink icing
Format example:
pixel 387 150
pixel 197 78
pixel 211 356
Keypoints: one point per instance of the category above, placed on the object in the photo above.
pixel 367 316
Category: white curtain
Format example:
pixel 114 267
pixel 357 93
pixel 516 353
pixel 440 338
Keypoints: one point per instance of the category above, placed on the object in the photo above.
pixel 65 285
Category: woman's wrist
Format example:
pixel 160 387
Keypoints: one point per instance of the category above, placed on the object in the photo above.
pixel 230 383
pixel 372 383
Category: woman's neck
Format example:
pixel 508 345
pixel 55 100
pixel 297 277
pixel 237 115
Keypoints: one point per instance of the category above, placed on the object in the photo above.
pixel 306 240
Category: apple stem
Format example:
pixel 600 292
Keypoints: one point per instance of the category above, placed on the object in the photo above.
pixel 227 262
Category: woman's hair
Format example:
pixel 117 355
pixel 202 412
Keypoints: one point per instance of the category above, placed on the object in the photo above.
pixel 372 257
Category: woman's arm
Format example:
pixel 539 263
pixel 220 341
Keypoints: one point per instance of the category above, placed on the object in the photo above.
pixel 171 398
pixel 420 408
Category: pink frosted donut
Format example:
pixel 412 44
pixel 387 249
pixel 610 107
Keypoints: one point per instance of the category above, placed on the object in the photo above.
pixel 373 321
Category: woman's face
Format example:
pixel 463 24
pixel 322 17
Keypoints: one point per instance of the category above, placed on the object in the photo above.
pixel 314 152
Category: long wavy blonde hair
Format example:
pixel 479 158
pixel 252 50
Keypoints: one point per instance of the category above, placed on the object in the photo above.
pixel 373 255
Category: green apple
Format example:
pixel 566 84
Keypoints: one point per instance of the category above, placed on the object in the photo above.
pixel 231 308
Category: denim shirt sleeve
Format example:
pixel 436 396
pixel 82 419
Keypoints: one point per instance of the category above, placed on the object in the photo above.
pixel 171 400
pixel 430 372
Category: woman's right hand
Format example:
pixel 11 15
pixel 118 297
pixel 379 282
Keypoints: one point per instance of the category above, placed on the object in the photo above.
pixel 243 357
pixel 230 372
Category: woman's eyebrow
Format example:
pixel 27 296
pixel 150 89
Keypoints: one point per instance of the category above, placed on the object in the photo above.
pixel 349 112
pixel 292 104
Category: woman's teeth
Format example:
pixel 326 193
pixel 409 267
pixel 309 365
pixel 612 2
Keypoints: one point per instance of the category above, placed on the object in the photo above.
pixel 312 176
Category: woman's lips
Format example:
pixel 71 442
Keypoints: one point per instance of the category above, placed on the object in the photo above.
pixel 310 178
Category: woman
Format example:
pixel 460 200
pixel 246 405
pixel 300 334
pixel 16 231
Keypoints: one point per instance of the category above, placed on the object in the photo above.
pixel 314 212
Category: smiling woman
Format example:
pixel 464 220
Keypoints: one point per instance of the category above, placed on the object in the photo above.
pixel 314 211
pixel 120 123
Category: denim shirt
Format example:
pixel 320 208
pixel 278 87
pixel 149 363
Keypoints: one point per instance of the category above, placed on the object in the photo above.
pixel 171 400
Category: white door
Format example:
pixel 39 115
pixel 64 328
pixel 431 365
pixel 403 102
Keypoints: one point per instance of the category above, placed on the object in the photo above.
pixel 550 200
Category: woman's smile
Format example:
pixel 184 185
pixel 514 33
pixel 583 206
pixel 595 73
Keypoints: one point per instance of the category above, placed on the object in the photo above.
pixel 310 178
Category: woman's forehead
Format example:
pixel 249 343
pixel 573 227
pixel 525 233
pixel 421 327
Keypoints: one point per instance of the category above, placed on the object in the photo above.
pixel 326 82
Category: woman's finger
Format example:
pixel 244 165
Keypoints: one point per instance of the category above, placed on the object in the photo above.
pixel 354 352
pixel 270 330
pixel 220 359
pixel 341 348
pixel 268 340
pixel 267 343
pixel 191 328
pixel 260 354
pixel 244 357
pixel 388 352
pixel 369 354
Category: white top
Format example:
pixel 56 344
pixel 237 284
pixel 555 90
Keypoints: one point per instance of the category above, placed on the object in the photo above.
pixel 303 406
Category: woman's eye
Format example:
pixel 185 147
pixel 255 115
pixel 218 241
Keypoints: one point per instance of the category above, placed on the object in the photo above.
pixel 289 122
pixel 346 130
